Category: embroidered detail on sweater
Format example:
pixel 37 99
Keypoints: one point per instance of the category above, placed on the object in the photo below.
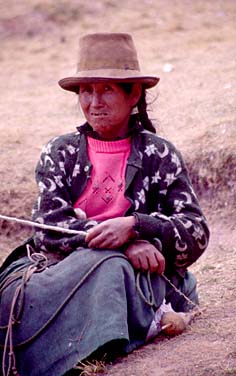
pixel 103 197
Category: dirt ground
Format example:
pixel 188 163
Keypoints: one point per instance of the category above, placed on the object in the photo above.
pixel 191 46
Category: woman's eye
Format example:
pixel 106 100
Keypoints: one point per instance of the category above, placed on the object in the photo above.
pixel 107 88
pixel 86 89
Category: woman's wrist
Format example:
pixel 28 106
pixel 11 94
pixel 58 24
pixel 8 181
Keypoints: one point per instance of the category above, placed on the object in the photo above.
pixel 133 231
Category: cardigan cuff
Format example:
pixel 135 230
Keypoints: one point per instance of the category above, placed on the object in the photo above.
pixel 149 227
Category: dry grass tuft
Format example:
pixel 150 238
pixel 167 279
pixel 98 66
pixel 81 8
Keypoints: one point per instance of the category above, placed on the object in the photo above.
pixel 213 175
pixel 91 368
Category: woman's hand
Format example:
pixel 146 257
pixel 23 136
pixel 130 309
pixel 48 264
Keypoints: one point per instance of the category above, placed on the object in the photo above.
pixel 143 255
pixel 112 233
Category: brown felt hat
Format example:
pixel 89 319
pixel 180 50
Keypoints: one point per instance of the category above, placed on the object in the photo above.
pixel 107 57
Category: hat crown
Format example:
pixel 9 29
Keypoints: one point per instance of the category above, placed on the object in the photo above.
pixel 107 51
pixel 107 57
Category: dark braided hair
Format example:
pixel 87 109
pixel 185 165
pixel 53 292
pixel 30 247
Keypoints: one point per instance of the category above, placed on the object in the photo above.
pixel 142 114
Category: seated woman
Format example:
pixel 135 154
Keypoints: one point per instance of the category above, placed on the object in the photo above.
pixel 126 193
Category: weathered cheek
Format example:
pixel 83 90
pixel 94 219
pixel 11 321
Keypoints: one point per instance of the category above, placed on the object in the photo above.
pixel 84 106
pixel 84 101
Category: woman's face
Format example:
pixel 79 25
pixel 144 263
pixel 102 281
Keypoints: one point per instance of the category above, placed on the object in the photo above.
pixel 107 107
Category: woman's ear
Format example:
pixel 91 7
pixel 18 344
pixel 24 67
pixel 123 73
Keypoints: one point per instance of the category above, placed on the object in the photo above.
pixel 135 94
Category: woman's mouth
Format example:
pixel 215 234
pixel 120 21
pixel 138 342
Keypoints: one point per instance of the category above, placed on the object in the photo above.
pixel 98 114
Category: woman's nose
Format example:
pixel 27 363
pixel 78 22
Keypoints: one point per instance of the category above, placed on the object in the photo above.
pixel 96 99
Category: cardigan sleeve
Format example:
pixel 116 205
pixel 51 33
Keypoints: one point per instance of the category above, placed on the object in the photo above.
pixel 54 205
pixel 175 219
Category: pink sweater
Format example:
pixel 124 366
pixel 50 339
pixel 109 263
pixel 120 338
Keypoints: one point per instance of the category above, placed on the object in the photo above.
pixel 103 198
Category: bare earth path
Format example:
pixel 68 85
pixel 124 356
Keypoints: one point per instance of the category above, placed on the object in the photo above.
pixel 191 45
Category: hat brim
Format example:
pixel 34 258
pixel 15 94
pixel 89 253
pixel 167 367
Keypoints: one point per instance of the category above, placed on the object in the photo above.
pixel 73 83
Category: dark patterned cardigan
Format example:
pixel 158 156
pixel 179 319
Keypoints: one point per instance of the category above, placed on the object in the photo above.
pixel 157 185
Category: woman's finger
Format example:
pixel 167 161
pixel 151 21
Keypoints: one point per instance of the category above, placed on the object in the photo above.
pixel 152 262
pixel 160 263
pixel 144 265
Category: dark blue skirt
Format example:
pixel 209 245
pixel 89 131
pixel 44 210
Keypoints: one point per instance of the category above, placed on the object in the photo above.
pixel 75 307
